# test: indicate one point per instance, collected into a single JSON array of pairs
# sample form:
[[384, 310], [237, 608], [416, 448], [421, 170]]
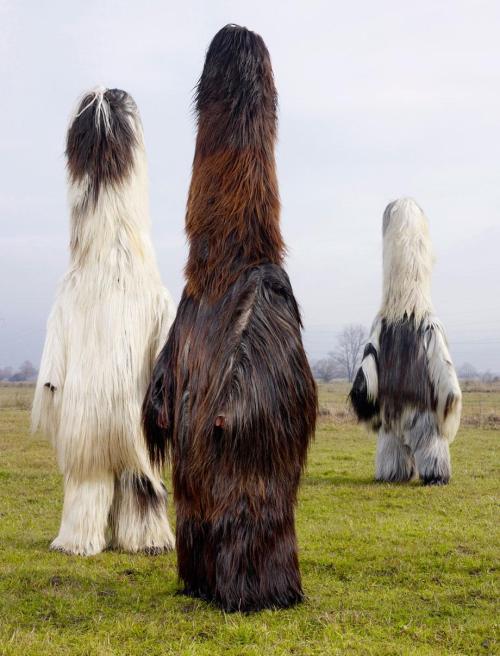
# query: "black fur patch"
[[51, 387], [450, 400], [364, 408], [102, 150], [436, 480], [155, 416], [146, 495], [404, 378]]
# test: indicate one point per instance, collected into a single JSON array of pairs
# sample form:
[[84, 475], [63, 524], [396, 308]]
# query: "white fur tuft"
[[102, 109], [369, 363]]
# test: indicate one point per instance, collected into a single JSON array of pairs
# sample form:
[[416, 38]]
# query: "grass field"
[[387, 569]]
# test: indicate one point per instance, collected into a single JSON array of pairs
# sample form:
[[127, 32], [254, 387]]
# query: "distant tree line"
[[469, 372], [25, 373], [341, 363], [345, 359]]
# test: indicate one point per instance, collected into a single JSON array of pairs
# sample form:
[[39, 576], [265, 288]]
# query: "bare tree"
[[468, 372], [326, 370], [26, 372], [349, 350], [5, 373], [487, 377]]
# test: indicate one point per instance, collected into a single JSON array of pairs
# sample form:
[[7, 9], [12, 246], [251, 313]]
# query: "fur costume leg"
[[240, 561], [253, 573], [431, 451], [138, 517], [85, 515], [245, 557], [394, 461]]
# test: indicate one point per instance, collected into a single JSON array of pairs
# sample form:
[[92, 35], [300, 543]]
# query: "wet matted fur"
[[109, 321], [232, 397], [406, 387]]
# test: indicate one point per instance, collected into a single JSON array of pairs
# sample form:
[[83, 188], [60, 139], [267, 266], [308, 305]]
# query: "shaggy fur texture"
[[232, 396], [406, 387], [109, 320]]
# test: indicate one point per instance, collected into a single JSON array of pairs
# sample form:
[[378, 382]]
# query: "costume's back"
[[406, 387], [232, 393], [110, 317]]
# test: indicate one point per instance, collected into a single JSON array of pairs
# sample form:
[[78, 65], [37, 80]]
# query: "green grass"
[[387, 569]]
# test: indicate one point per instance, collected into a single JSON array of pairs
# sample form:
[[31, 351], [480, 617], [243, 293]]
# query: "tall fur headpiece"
[[107, 173], [408, 262], [102, 137], [232, 219]]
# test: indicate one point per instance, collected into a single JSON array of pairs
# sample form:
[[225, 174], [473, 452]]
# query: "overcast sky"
[[377, 100]]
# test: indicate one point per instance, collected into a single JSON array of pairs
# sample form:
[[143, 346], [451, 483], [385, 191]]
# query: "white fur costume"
[[406, 387], [110, 318]]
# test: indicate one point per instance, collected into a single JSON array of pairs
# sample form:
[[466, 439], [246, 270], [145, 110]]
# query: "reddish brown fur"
[[233, 215]]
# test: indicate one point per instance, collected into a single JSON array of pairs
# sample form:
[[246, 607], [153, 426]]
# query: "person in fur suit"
[[232, 396], [406, 387], [109, 320]]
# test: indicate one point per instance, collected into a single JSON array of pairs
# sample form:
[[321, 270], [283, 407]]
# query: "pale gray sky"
[[377, 100]]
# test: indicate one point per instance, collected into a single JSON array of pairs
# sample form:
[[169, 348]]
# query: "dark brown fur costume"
[[232, 394]]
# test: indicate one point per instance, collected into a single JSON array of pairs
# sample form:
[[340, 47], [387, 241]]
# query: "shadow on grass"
[[367, 481], [33, 545], [348, 481]]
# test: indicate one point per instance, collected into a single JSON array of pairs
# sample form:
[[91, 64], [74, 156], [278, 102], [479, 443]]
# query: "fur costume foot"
[[395, 462], [109, 320]]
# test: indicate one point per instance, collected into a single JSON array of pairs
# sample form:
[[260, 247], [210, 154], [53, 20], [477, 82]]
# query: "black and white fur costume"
[[406, 387]]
